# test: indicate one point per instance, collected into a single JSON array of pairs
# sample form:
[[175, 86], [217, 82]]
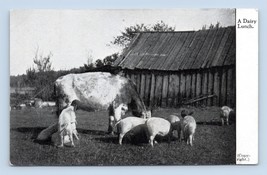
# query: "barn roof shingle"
[[180, 50]]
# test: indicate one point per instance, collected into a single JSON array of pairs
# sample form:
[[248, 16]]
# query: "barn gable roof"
[[180, 50]]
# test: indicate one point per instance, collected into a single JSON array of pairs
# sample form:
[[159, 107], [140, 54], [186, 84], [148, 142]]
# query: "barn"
[[183, 67]]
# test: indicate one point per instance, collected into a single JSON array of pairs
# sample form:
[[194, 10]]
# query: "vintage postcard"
[[133, 87]]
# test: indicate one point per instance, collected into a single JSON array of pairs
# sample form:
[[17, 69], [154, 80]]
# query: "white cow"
[[188, 128], [224, 114], [97, 91], [67, 125], [157, 126]]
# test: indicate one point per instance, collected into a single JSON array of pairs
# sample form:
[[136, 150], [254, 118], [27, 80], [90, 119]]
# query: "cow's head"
[[116, 111], [119, 110]]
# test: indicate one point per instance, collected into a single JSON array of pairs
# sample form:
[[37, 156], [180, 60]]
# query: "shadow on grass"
[[215, 123], [137, 136], [35, 131], [92, 132]]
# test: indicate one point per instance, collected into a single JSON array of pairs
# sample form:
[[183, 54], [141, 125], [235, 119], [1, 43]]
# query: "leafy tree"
[[31, 77], [99, 63], [212, 26], [126, 36], [110, 59]]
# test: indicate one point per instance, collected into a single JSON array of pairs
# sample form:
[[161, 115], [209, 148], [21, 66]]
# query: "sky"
[[72, 36]]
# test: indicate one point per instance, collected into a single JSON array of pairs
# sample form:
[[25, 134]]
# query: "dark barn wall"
[[176, 88]]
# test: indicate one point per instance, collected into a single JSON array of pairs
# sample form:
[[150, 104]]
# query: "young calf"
[[188, 127], [67, 125], [224, 114], [127, 124], [157, 126]]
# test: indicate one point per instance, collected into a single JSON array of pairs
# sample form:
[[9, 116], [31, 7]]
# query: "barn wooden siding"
[[171, 89], [176, 68]]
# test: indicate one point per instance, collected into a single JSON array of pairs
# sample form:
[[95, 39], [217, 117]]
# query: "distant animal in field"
[[225, 114]]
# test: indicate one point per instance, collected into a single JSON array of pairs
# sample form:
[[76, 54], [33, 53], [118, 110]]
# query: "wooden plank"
[[158, 89], [127, 51], [226, 49], [223, 87], [142, 85], [165, 85], [182, 52], [147, 89], [128, 75], [138, 82], [229, 89], [205, 86], [168, 51], [171, 90], [152, 90], [149, 50], [195, 51], [231, 55], [175, 49], [148, 61], [136, 54], [215, 44], [216, 88], [198, 84], [221, 47], [158, 58], [133, 78], [179, 50], [176, 89], [210, 87], [163, 53], [188, 85], [193, 85], [234, 88], [202, 55], [192, 48], [182, 87]]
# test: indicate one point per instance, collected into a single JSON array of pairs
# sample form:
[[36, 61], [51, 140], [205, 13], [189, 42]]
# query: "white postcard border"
[[247, 86]]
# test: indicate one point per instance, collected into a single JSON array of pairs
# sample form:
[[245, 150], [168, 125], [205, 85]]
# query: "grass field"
[[214, 144]]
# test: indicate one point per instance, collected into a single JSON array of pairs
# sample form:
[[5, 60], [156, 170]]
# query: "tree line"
[[42, 76]]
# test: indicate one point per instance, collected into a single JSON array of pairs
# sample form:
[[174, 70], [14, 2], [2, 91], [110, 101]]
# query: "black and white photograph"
[[124, 87]]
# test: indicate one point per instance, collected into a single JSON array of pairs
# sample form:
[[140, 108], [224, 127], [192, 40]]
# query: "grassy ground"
[[214, 144]]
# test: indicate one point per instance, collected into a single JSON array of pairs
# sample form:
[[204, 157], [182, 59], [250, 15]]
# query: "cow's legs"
[[61, 138], [71, 139], [110, 126], [222, 119], [75, 133]]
